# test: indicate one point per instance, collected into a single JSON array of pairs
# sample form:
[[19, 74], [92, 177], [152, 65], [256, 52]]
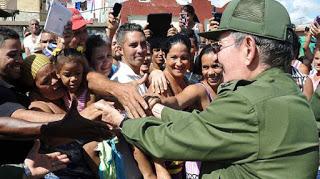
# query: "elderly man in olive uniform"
[[260, 125]]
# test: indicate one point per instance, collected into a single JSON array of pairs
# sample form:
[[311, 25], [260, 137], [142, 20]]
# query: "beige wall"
[[31, 6]]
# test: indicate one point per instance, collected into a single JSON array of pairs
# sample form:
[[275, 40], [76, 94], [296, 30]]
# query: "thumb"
[[142, 80]]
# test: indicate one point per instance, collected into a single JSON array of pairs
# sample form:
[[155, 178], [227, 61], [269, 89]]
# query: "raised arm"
[[189, 96]]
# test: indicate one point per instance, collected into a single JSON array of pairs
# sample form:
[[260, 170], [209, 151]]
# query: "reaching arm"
[[36, 116], [12, 127], [189, 96], [126, 93]]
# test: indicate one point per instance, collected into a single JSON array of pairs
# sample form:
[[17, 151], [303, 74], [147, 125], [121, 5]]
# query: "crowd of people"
[[237, 101]]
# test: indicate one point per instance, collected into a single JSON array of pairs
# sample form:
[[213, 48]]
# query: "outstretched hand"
[[158, 82], [111, 115], [73, 125], [41, 164], [129, 97], [315, 30]]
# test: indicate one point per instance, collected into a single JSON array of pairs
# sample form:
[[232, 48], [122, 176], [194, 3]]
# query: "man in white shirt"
[[29, 43], [133, 48]]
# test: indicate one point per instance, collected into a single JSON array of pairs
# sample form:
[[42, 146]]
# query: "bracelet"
[[26, 171], [121, 123]]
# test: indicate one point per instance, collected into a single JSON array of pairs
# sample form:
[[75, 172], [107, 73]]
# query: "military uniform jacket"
[[263, 128]]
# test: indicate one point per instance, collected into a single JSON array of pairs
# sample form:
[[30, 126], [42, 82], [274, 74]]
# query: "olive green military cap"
[[265, 18]]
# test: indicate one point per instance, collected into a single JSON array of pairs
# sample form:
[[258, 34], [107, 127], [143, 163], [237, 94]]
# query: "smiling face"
[[178, 60], [211, 69], [71, 75], [231, 58], [157, 56], [102, 59], [316, 60], [134, 50], [48, 84], [10, 59]]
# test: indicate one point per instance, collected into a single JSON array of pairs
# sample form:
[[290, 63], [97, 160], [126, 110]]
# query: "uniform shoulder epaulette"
[[232, 85]]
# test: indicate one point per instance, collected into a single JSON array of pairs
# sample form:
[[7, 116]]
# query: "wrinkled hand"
[[131, 100], [111, 115], [73, 125], [213, 25], [172, 31], [147, 32], [158, 82], [315, 30], [41, 164]]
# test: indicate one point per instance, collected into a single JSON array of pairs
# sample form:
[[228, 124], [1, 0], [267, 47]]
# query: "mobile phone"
[[183, 18], [217, 16], [159, 24], [116, 9], [317, 19]]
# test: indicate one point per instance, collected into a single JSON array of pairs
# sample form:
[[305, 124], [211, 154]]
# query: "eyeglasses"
[[217, 47]]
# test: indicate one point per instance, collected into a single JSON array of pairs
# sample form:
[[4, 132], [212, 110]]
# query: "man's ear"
[[119, 49], [249, 49]]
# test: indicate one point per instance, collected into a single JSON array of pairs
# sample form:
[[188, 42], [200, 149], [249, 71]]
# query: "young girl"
[[71, 68]]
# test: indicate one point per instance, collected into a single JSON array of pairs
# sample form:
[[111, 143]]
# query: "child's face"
[[71, 75]]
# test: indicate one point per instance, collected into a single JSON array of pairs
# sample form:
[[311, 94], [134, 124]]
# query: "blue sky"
[[301, 11]]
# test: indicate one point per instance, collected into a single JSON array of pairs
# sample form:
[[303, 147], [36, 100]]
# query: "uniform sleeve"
[[8, 102], [170, 115], [227, 130]]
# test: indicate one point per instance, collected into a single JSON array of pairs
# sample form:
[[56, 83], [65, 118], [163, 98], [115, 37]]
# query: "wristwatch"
[[121, 123], [26, 171]]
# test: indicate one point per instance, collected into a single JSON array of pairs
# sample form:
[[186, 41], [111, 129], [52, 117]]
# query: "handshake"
[[75, 126]]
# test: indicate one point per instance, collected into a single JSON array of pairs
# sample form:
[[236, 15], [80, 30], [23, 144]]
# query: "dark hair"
[[156, 42], [296, 45], [70, 55], [274, 53], [93, 42], [127, 27], [190, 33], [6, 33], [197, 68], [178, 38], [189, 9]]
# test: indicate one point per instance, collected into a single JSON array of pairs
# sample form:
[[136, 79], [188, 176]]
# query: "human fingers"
[[142, 80], [152, 101], [164, 83]]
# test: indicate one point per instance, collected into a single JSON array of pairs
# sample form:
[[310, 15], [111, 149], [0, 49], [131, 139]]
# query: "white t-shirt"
[[28, 43], [125, 75]]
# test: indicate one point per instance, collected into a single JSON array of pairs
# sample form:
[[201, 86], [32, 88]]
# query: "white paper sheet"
[[57, 18]]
